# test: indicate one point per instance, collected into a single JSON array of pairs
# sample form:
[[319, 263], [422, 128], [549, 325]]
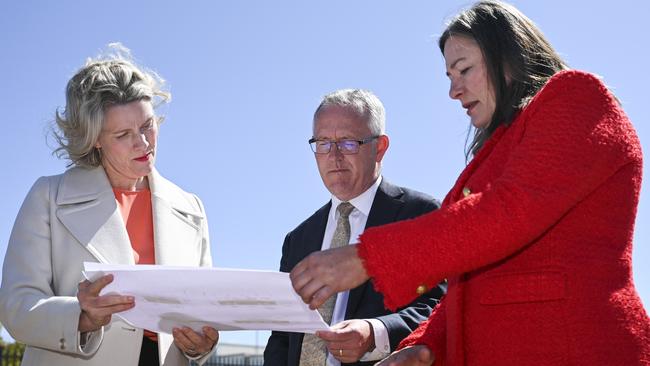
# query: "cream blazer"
[[71, 218]]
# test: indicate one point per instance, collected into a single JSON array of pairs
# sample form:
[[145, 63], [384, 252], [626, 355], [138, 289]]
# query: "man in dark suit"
[[349, 143]]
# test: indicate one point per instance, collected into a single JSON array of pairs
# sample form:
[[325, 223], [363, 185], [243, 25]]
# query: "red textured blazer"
[[535, 238]]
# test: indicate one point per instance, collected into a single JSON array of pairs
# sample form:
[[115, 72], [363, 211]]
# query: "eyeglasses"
[[345, 147]]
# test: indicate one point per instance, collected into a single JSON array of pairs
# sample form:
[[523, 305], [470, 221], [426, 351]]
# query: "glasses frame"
[[313, 140]]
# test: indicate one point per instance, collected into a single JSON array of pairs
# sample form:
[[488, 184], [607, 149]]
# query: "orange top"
[[138, 218], [135, 208]]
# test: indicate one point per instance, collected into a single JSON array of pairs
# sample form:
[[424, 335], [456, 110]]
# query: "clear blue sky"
[[246, 77]]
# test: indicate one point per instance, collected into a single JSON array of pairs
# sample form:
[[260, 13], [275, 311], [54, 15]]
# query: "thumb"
[[341, 325]]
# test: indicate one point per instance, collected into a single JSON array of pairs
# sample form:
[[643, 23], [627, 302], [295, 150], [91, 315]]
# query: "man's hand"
[[410, 356], [323, 274], [349, 340]]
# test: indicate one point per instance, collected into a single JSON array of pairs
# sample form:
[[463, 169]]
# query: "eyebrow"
[[150, 119]]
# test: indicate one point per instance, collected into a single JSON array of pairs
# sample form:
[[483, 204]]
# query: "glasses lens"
[[348, 146], [321, 147]]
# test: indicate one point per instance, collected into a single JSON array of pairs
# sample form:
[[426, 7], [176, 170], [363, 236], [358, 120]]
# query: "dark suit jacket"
[[391, 203]]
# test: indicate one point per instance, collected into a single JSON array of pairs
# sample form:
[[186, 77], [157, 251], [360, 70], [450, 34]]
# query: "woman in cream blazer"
[[72, 218]]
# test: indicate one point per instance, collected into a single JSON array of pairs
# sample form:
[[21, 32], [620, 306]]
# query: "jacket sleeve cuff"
[[382, 342], [88, 343]]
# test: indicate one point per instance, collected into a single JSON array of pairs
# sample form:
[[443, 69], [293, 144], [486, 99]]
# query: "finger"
[[181, 340], [333, 336], [102, 316], [112, 300], [307, 292], [345, 345], [83, 284], [211, 334], [345, 355], [425, 355], [195, 338], [320, 296], [339, 326], [95, 288], [299, 280], [107, 304]]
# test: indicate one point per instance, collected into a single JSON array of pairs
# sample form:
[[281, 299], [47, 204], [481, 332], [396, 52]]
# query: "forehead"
[[129, 114], [337, 121], [458, 48]]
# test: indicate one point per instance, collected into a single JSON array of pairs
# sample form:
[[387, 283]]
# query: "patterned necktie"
[[314, 351]]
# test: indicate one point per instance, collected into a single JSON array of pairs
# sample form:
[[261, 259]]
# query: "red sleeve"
[[575, 137], [431, 333]]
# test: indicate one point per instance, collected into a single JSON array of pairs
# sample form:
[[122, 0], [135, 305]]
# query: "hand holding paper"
[[169, 297]]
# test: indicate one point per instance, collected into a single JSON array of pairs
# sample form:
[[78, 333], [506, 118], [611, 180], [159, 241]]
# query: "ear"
[[382, 146]]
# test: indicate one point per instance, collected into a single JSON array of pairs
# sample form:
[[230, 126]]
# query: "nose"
[[335, 153], [455, 89], [140, 140]]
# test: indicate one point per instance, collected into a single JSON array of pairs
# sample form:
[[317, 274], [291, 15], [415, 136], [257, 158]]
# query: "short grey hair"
[[107, 80], [363, 102]]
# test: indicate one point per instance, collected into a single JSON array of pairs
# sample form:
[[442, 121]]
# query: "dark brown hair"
[[512, 46]]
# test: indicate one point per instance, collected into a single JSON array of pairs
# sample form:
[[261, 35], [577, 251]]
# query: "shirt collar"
[[362, 202]]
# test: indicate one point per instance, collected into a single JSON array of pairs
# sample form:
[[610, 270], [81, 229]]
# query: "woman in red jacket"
[[535, 237]]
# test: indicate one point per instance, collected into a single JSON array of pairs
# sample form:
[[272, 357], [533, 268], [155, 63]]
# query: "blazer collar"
[[164, 190], [86, 206], [386, 205], [83, 185], [175, 219]]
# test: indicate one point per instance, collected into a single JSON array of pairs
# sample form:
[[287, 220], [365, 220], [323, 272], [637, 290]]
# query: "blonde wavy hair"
[[109, 79]]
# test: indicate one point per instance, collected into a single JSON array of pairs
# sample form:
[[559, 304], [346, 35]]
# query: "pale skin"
[[323, 274], [349, 340], [128, 145]]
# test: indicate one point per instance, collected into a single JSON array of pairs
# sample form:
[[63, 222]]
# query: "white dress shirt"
[[358, 219]]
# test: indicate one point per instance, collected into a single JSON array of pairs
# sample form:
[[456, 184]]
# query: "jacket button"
[[466, 192], [62, 344], [421, 290]]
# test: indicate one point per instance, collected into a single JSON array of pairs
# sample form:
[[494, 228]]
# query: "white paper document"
[[226, 299]]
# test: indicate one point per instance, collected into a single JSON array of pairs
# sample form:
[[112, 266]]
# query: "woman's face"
[[128, 143], [469, 80]]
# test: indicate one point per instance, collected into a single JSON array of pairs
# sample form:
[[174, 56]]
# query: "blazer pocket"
[[523, 287], [192, 220]]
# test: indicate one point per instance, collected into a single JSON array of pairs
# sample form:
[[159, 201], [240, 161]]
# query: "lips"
[[144, 157], [469, 106]]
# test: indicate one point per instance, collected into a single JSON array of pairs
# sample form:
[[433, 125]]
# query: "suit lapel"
[[316, 232], [175, 223], [385, 209], [86, 207]]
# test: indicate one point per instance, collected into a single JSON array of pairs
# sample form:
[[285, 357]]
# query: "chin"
[[480, 124]]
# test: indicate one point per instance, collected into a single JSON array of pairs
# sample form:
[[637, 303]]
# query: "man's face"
[[347, 176]]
